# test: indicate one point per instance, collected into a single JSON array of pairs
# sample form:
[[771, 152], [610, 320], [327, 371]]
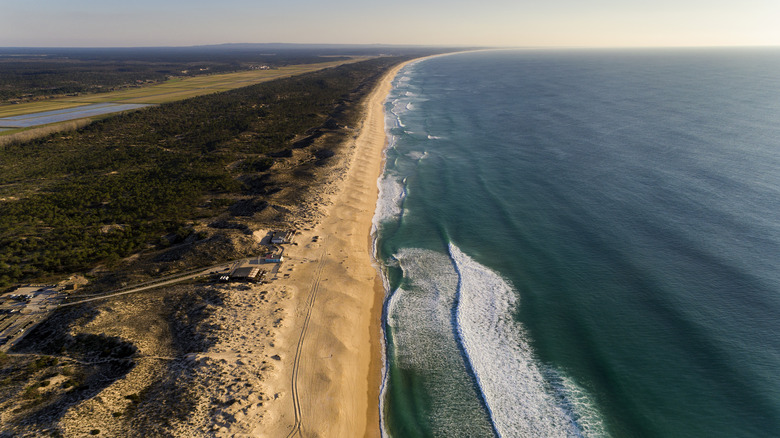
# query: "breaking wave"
[[521, 401], [391, 196], [419, 321]]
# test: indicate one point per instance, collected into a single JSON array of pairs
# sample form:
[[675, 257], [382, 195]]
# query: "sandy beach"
[[301, 355], [331, 362]]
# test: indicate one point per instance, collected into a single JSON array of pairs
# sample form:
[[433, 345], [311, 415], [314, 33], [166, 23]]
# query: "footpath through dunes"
[[331, 359], [50, 111]]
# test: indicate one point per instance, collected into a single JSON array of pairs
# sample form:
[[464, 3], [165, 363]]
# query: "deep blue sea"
[[583, 243]]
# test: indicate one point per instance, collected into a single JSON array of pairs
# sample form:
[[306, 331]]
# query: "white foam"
[[419, 316], [524, 398], [391, 196], [519, 399], [577, 402], [393, 115], [417, 155], [399, 106]]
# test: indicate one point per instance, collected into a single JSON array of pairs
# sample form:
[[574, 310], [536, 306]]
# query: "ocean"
[[583, 243]]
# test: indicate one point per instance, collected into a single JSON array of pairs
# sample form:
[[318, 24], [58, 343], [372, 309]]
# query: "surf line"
[[456, 333]]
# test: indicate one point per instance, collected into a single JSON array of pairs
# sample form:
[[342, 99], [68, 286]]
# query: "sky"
[[510, 23]]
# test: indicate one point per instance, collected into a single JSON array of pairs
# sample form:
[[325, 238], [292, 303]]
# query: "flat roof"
[[246, 272]]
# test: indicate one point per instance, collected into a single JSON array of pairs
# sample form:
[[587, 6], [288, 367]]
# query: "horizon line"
[[391, 45]]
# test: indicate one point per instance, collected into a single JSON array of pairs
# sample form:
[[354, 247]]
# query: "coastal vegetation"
[[60, 365], [32, 74], [72, 200]]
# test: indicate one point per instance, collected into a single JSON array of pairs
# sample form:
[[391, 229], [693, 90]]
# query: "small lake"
[[63, 115]]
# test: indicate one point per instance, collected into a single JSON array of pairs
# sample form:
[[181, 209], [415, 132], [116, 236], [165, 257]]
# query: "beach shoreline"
[[329, 374]]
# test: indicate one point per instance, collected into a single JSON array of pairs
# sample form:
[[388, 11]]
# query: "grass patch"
[[171, 90]]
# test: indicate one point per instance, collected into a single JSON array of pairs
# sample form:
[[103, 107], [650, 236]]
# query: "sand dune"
[[301, 356]]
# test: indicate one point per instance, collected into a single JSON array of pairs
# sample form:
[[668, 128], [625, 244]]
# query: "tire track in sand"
[[315, 287]]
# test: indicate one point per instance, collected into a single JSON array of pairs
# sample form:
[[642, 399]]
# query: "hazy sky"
[[428, 22]]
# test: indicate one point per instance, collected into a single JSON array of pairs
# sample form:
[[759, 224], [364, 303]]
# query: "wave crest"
[[517, 395]]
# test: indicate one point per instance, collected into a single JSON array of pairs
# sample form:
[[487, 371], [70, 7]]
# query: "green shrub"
[[149, 170], [31, 392], [42, 362]]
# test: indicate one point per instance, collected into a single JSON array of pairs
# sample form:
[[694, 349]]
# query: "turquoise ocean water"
[[583, 243]]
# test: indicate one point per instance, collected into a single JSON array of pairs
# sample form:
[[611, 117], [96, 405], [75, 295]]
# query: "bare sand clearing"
[[301, 356]]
